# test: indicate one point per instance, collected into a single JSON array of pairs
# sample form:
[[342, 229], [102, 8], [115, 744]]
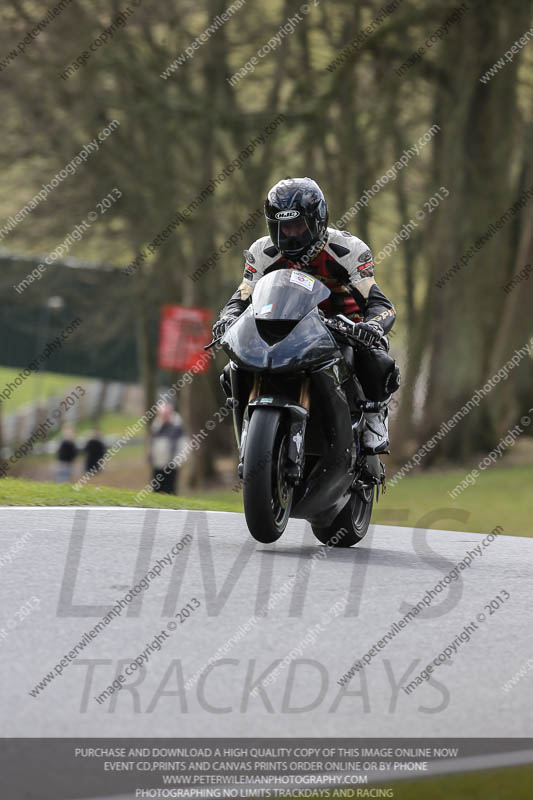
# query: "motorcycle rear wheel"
[[350, 526], [267, 496]]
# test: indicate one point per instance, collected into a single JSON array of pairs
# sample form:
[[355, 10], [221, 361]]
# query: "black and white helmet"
[[297, 217]]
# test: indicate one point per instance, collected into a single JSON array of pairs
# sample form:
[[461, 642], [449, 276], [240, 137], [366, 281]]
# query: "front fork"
[[254, 392], [298, 415], [296, 454]]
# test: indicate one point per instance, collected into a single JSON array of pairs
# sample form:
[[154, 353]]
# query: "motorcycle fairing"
[[306, 347]]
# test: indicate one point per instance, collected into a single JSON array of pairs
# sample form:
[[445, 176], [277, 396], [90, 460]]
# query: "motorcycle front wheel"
[[267, 496]]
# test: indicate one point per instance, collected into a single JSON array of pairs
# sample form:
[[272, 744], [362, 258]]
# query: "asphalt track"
[[77, 562]]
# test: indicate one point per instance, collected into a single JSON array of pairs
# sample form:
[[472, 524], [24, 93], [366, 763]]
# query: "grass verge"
[[37, 386], [15, 492], [501, 496]]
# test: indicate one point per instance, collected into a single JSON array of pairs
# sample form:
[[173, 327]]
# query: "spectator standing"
[[66, 455], [168, 438], [94, 450]]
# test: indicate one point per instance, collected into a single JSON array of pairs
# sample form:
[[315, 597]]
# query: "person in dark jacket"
[[66, 455], [94, 450]]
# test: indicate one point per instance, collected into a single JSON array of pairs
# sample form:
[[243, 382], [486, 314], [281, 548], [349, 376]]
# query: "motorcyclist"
[[297, 219]]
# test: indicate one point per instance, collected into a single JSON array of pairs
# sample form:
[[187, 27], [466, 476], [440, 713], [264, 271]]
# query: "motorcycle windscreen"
[[287, 294]]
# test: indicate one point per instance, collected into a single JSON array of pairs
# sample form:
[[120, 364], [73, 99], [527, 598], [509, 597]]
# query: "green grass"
[[15, 492], [109, 423], [37, 386], [499, 784], [501, 497]]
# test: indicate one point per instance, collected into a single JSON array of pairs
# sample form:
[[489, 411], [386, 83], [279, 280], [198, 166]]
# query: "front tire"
[[267, 496], [351, 525]]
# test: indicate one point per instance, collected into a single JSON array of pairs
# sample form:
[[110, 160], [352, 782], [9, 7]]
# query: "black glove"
[[221, 325], [369, 333]]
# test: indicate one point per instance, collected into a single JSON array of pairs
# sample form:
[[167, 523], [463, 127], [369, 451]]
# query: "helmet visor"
[[292, 237]]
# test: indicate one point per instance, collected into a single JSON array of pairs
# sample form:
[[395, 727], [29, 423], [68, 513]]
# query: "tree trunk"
[[477, 140]]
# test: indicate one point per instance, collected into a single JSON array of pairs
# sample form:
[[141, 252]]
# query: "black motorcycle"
[[298, 414]]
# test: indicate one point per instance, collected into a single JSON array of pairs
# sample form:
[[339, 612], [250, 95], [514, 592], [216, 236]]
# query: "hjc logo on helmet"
[[287, 214]]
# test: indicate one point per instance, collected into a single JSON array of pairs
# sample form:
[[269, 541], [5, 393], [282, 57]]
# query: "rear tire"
[[266, 495], [351, 524]]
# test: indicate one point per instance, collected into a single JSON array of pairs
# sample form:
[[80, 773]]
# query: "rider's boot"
[[375, 438]]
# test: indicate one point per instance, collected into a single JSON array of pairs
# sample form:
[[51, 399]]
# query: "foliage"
[[344, 126]]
